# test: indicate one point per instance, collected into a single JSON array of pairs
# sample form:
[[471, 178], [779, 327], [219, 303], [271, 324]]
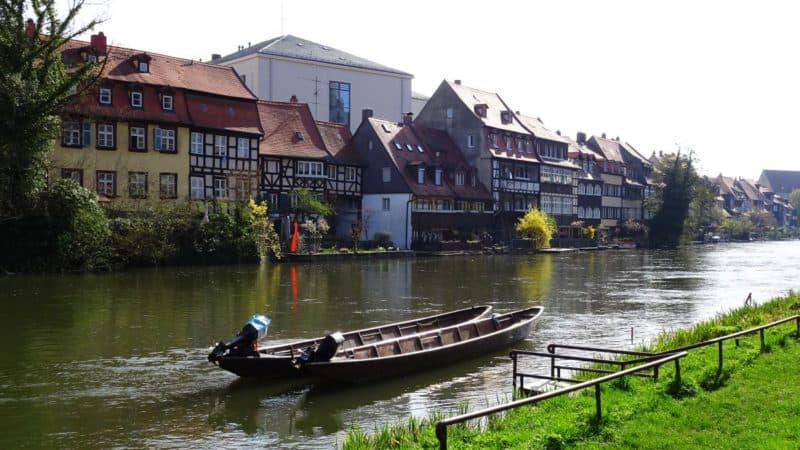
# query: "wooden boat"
[[426, 350], [281, 361]]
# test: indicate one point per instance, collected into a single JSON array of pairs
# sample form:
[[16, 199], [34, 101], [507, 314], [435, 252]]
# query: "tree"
[[35, 86], [537, 226], [309, 204], [675, 182], [794, 199], [704, 213]]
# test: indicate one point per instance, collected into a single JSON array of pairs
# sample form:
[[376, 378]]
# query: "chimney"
[[215, 56], [408, 118], [458, 82], [581, 137], [616, 138], [293, 99], [603, 136], [366, 113], [558, 132], [98, 43], [30, 28]]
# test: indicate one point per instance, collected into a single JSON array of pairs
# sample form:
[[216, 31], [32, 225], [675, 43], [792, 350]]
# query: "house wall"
[[90, 159], [395, 220], [277, 79]]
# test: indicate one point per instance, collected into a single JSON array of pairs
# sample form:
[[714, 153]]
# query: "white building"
[[335, 84]]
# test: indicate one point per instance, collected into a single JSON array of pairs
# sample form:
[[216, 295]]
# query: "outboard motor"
[[323, 351], [246, 342]]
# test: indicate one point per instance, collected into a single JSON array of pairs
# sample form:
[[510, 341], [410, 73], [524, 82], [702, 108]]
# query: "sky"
[[717, 78]]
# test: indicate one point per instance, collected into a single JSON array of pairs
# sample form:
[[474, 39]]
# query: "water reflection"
[[118, 360]]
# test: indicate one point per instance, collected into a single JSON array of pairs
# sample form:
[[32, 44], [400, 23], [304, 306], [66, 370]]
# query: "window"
[[220, 187], [198, 186], [309, 169], [243, 148], [137, 184], [520, 144], [331, 171], [409, 147], [521, 172], [438, 177], [168, 185], [105, 96], [136, 99], [220, 146], [74, 174], [493, 140], [339, 102], [166, 102], [105, 135], [71, 133], [144, 67], [164, 139], [385, 204], [459, 178], [349, 174], [473, 180], [196, 146], [509, 143], [470, 141], [387, 174], [106, 183], [420, 175], [398, 145], [137, 138], [449, 113]]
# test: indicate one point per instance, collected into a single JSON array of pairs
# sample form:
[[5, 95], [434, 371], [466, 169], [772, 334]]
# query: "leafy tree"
[[762, 220], [794, 199], [537, 226], [309, 204], [34, 88], [675, 183], [704, 213]]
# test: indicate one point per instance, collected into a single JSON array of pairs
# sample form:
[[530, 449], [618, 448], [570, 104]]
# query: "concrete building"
[[336, 85]]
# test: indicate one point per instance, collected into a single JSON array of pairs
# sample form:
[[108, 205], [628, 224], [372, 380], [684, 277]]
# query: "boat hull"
[[280, 361], [354, 370]]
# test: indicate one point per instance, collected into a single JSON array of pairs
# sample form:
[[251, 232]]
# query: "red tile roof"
[[281, 122], [339, 141], [165, 70], [215, 112]]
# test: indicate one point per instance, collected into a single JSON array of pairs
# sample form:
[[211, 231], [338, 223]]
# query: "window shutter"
[[157, 138], [86, 128]]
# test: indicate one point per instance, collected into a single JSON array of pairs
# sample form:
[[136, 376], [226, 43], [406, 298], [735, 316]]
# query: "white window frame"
[[71, 132], [198, 187], [144, 67], [349, 173], [106, 183], [310, 169], [167, 103], [420, 175], [331, 172], [220, 145], [243, 148], [460, 178], [197, 144], [168, 185], [220, 187], [137, 184], [165, 139], [140, 133], [470, 141], [104, 96], [137, 99], [105, 135]]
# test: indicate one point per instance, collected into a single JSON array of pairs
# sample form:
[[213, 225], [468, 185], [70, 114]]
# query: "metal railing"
[[647, 360], [441, 426]]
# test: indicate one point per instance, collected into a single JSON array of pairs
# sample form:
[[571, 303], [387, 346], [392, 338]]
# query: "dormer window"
[[141, 63], [398, 145], [409, 147], [420, 175], [505, 117], [136, 99], [166, 102], [144, 67], [298, 136], [480, 109], [104, 96], [438, 177], [91, 58], [459, 178]]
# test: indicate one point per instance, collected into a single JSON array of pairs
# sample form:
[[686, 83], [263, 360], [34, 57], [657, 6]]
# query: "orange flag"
[[293, 245]]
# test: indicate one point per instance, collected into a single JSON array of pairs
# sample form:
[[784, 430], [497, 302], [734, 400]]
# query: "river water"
[[119, 360]]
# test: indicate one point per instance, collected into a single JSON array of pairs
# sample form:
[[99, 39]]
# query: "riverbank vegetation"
[[750, 403], [537, 226]]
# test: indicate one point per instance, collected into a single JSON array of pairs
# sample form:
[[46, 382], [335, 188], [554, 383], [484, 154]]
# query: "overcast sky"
[[720, 78]]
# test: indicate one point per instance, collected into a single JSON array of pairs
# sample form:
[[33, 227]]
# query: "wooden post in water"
[[514, 374]]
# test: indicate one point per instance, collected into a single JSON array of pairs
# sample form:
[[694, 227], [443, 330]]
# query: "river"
[[119, 360]]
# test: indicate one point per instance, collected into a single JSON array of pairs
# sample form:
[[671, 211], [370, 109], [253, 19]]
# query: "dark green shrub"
[[383, 239]]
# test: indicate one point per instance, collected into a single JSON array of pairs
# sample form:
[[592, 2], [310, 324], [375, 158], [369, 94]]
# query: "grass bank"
[[754, 402]]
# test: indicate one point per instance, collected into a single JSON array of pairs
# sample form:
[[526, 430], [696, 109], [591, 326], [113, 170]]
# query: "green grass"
[[753, 402]]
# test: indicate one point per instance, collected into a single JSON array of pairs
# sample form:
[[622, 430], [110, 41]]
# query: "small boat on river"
[[427, 350], [242, 357]]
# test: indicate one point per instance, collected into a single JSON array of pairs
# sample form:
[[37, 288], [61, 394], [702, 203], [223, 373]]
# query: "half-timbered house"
[[417, 185], [157, 127], [294, 154], [590, 185]]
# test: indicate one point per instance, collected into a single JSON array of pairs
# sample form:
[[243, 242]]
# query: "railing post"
[[597, 401], [720, 357], [514, 373], [441, 434], [655, 373], [797, 322], [761, 332], [552, 367], [678, 371]]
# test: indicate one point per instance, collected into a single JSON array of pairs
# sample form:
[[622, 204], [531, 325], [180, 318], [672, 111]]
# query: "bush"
[[537, 226], [383, 239]]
